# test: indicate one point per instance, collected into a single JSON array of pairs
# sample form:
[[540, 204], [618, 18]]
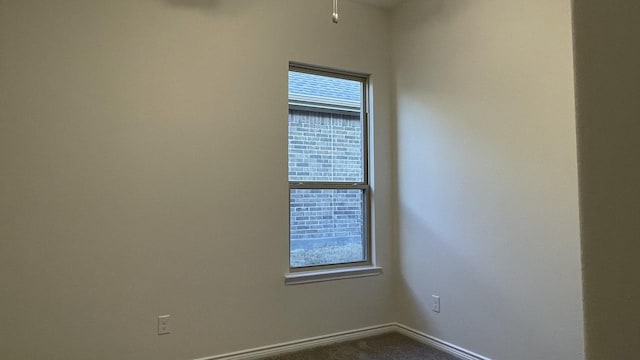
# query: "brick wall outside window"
[[325, 147]]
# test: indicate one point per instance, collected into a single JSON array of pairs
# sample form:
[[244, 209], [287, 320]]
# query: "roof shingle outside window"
[[323, 86]]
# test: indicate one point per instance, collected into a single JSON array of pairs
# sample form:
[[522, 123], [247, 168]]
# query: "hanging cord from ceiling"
[[335, 16]]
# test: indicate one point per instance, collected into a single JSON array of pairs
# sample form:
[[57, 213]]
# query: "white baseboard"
[[434, 342], [303, 344]]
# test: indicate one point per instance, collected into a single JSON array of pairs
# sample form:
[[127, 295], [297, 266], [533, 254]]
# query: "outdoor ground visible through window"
[[336, 254]]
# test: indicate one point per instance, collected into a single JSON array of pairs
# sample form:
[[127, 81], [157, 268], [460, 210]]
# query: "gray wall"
[[487, 176], [143, 171], [608, 108], [137, 138]]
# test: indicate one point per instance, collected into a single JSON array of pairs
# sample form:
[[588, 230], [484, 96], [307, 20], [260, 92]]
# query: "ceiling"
[[385, 4]]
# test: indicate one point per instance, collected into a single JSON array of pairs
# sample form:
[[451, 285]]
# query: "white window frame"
[[325, 272]]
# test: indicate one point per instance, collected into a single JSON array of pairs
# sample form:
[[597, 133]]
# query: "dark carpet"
[[390, 346]]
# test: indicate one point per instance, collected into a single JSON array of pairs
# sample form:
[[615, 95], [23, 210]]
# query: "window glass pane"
[[326, 226], [325, 129], [330, 89], [324, 147]]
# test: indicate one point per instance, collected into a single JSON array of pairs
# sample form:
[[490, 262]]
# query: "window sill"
[[330, 275]]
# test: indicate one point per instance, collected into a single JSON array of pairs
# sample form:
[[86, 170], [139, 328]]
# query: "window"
[[328, 176]]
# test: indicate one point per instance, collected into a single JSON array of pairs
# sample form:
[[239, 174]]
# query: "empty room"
[[319, 179]]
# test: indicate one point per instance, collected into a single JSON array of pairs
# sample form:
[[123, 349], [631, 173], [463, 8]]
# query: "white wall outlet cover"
[[435, 305], [163, 325]]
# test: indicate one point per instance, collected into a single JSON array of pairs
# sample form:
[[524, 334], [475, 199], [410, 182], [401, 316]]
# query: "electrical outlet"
[[435, 303], [163, 325]]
